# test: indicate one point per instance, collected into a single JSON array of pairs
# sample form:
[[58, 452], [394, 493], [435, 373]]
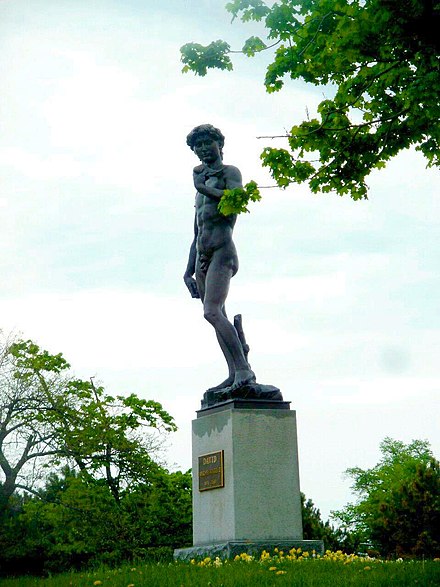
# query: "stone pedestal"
[[259, 504]]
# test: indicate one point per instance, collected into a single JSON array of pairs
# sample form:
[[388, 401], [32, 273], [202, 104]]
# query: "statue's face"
[[207, 149]]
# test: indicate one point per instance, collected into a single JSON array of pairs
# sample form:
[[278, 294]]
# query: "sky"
[[340, 299]]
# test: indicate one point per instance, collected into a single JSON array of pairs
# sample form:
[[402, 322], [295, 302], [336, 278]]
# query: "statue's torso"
[[214, 229]]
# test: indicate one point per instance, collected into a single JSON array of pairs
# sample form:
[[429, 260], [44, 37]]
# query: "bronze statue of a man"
[[213, 257]]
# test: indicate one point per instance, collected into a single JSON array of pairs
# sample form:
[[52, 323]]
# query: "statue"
[[213, 261]]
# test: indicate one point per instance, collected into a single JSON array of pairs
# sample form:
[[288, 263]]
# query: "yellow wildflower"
[[131, 585], [244, 556], [97, 583], [367, 568], [264, 555], [272, 568], [281, 573]]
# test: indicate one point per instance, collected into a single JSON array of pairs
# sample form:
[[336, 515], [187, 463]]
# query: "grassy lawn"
[[334, 570]]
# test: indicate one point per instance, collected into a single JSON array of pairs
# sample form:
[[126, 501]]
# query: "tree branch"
[[340, 128], [260, 50], [316, 33]]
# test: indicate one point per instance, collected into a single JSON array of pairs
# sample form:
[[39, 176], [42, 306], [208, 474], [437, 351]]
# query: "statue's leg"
[[216, 290], [229, 359], [201, 272]]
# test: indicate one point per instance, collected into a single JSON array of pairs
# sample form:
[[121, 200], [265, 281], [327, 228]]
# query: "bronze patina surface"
[[212, 263]]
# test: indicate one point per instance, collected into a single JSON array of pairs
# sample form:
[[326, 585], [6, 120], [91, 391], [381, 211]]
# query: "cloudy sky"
[[340, 299]]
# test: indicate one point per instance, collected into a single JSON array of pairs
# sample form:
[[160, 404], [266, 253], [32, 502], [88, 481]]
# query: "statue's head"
[[205, 131]]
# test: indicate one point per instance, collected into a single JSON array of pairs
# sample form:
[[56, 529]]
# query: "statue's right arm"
[[188, 276], [200, 179]]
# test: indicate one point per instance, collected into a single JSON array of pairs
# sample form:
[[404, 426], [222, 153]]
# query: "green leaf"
[[253, 45], [251, 9], [199, 58], [235, 201]]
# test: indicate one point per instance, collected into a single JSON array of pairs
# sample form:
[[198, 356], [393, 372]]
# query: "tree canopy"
[[80, 476], [48, 417], [381, 58], [398, 506]]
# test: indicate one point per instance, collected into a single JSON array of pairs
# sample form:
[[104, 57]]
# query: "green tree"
[[398, 505], [314, 528], [381, 58], [50, 418], [75, 522]]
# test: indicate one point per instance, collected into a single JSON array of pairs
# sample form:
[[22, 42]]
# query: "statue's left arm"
[[232, 177]]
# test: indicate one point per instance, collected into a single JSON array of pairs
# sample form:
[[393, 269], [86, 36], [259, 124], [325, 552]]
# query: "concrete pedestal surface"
[[259, 506], [261, 498]]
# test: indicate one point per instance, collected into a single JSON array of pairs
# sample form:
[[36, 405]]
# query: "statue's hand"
[[212, 182], [191, 285], [199, 180]]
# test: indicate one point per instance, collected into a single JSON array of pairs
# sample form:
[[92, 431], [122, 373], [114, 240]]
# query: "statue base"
[[229, 550], [248, 391], [245, 474]]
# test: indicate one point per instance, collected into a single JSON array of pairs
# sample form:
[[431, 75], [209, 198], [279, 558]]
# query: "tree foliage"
[[314, 528], [381, 57], [236, 200], [74, 522], [398, 506], [49, 418]]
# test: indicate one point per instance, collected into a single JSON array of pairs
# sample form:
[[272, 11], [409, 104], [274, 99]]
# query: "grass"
[[334, 569]]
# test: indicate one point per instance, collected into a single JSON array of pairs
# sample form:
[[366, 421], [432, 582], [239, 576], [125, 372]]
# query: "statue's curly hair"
[[206, 129]]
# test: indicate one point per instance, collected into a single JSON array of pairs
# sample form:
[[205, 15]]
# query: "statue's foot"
[[226, 383], [247, 389], [241, 378]]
